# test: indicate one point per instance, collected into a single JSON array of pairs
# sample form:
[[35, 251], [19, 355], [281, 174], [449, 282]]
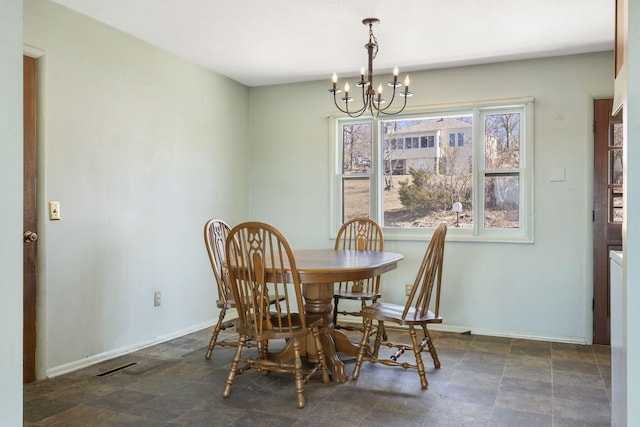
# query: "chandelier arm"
[[396, 112], [359, 111], [393, 97], [353, 114], [366, 102], [335, 101], [356, 114]]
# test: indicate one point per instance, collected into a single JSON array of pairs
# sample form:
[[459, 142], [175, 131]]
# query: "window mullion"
[[376, 212], [478, 172]]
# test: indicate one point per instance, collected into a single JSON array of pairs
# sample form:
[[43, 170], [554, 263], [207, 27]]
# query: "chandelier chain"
[[374, 41]]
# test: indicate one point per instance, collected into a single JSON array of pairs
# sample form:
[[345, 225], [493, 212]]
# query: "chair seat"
[[357, 295], [296, 330], [393, 313], [229, 302]]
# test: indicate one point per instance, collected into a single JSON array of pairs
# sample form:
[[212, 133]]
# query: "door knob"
[[30, 236]]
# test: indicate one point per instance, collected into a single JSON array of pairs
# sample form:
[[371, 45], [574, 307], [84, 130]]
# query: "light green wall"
[[11, 213], [140, 148], [541, 290]]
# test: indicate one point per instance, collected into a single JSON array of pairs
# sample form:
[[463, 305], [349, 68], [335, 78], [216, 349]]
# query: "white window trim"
[[524, 234]]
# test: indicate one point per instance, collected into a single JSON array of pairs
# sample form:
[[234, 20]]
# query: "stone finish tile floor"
[[483, 381]]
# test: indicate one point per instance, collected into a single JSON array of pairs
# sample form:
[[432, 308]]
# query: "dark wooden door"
[[29, 222], [607, 210]]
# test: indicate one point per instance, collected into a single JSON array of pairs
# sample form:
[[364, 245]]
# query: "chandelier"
[[372, 100]]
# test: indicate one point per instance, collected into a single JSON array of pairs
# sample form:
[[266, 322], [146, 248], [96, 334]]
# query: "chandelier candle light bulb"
[[395, 83], [371, 102], [335, 80], [380, 100]]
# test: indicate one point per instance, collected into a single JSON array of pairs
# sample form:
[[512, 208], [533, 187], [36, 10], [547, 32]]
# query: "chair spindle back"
[[259, 260], [215, 237], [429, 274], [361, 234]]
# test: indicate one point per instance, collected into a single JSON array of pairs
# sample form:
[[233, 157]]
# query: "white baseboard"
[[92, 360], [486, 332]]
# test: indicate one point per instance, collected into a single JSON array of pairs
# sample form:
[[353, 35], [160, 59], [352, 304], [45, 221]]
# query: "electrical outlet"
[[407, 289], [156, 298]]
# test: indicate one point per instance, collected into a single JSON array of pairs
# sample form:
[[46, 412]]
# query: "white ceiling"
[[262, 42]]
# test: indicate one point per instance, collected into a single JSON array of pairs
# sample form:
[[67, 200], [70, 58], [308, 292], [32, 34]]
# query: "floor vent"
[[118, 369]]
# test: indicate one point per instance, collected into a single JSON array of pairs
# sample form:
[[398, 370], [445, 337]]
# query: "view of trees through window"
[[427, 165], [357, 149], [502, 177]]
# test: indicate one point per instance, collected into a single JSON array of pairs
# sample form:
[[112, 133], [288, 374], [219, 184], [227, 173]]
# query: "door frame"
[[30, 218], [606, 234]]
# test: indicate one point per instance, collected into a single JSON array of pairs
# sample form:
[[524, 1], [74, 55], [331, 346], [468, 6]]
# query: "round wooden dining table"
[[319, 269]]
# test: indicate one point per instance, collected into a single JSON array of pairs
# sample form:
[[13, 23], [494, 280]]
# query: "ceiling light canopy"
[[372, 99]]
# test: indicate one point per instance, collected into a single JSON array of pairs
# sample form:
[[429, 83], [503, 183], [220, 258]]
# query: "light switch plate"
[[54, 211]]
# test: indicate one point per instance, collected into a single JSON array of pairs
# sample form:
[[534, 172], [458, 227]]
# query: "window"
[[501, 169], [356, 169], [456, 137], [407, 171], [427, 141]]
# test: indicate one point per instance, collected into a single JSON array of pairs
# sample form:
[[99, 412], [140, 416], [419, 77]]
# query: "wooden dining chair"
[[414, 313], [261, 263], [361, 234], [215, 237]]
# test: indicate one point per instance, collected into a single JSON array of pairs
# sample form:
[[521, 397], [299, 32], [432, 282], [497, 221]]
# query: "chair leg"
[[380, 325], [263, 353], [362, 306], [379, 336], [432, 348], [263, 349], [364, 344], [216, 331], [384, 332], [335, 311], [234, 366], [416, 351], [321, 357], [297, 363]]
